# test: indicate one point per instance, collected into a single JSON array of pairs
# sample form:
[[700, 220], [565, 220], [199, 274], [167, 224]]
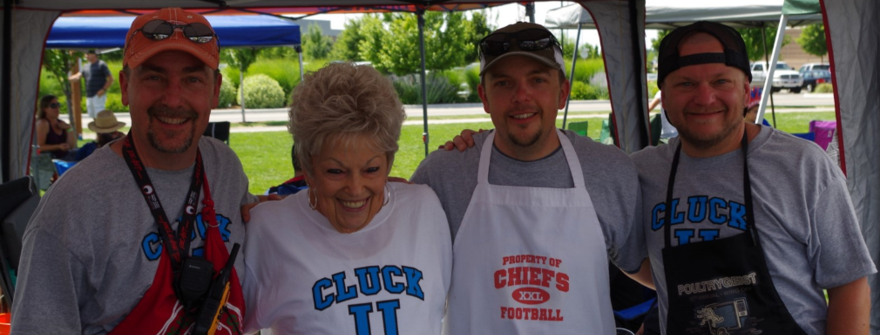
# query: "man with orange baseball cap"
[[144, 247]]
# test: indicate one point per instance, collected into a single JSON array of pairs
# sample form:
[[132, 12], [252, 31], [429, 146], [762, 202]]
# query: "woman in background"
[[53, 135]]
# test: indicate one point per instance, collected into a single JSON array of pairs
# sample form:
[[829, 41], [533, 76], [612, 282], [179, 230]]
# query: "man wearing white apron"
[[535, 212]]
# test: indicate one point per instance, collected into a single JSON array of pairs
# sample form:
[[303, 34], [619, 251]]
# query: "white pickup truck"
[[783, 77]]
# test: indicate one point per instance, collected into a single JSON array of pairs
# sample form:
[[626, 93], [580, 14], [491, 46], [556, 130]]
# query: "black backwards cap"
[[734, 49]]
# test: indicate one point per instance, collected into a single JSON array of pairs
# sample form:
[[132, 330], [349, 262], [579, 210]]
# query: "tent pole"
[[425, 138], [574, 59], [299, 52], [6, 108], [241, 91], [638, 41], [530, 11], [771, 67], [766, 60]]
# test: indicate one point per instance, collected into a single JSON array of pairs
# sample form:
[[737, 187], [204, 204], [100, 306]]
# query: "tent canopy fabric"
[[232, 31], [103, 7], [669, 14]]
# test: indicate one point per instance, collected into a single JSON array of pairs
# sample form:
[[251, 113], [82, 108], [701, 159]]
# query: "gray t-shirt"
[[803, 214], [91, 250], [609, 175]]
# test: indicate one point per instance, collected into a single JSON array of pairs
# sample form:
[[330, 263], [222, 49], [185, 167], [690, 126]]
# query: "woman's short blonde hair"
[[343, 101]]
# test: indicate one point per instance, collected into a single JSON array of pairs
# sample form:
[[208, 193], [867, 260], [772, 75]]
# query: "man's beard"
[[707, 142], [529, 140], [165, 111]]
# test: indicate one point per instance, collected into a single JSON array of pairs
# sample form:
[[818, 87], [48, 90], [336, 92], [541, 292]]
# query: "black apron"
[[722, 286]]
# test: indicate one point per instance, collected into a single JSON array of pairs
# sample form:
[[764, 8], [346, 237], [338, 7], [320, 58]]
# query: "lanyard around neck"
[[177, 244], [747, 192]]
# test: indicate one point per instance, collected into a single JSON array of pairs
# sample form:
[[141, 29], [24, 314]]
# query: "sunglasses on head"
[[55, 105], [527, 40], [158, 30]]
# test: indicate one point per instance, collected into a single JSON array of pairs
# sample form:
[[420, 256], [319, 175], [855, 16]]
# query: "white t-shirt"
[[304, 277]]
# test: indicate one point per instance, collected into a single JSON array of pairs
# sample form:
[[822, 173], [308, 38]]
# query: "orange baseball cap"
[[139, 48]]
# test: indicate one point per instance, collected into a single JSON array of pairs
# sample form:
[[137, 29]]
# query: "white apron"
[[529, 260]]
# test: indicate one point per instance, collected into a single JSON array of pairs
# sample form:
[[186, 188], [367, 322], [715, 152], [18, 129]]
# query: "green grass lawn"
[[266, 156]]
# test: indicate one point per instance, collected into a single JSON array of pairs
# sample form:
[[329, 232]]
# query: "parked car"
[[815, 77], [783, 77], [814, 66]]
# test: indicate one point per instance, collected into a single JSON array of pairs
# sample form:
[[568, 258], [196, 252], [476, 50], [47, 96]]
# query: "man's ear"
[[218, 80], [123, 87], [563, 93], [481, 91]]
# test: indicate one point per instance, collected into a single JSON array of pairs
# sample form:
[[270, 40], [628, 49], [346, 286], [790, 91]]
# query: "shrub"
[[227, 94], [407, 90], [439, 89], [285, 72], [824, 88], [114, 103], [582, 91], [260, 91], [231, 74], [472, 77], [652, 89], [586, 68]]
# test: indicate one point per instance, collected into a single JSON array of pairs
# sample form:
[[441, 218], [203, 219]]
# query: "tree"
[[480, 29], [589, 51], [277, 53], [812, 40], [371, 33], [567, 47], [755, 47], [315, 45], [241, 58], [655, 42], [346, 46], [59, 62], [447, 46], [392, 42]]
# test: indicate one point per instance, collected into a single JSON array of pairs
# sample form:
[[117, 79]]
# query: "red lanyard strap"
[[177, 244]]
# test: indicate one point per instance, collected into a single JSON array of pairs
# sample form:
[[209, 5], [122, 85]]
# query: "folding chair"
[[42, 169], [579, 127], [18, 201], [218, 130]]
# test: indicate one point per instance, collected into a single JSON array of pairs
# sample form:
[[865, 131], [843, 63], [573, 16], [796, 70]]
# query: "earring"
[[315, 205], [387, 195]]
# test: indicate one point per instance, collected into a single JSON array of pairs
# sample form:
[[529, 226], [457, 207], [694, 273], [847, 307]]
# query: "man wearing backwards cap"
[[745, 225], [535, 212], [126, 253]]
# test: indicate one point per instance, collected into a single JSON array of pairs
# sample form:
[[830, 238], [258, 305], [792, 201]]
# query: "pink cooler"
[[823, 131]]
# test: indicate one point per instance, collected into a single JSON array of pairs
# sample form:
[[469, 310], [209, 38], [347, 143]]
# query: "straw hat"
[[105, 122]]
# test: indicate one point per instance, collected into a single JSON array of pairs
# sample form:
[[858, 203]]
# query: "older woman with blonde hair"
[[355, 254]]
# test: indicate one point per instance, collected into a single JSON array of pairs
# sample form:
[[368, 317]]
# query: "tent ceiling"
[[264, 6], [670, 14]]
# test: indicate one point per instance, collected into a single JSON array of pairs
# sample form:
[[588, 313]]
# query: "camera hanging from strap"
[[192, 274]]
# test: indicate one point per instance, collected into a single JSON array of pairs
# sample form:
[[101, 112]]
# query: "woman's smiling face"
[[348, 182]]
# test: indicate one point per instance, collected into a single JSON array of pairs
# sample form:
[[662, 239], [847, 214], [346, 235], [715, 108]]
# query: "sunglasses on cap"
[[158, 30], [527, 40], [55, 105]]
